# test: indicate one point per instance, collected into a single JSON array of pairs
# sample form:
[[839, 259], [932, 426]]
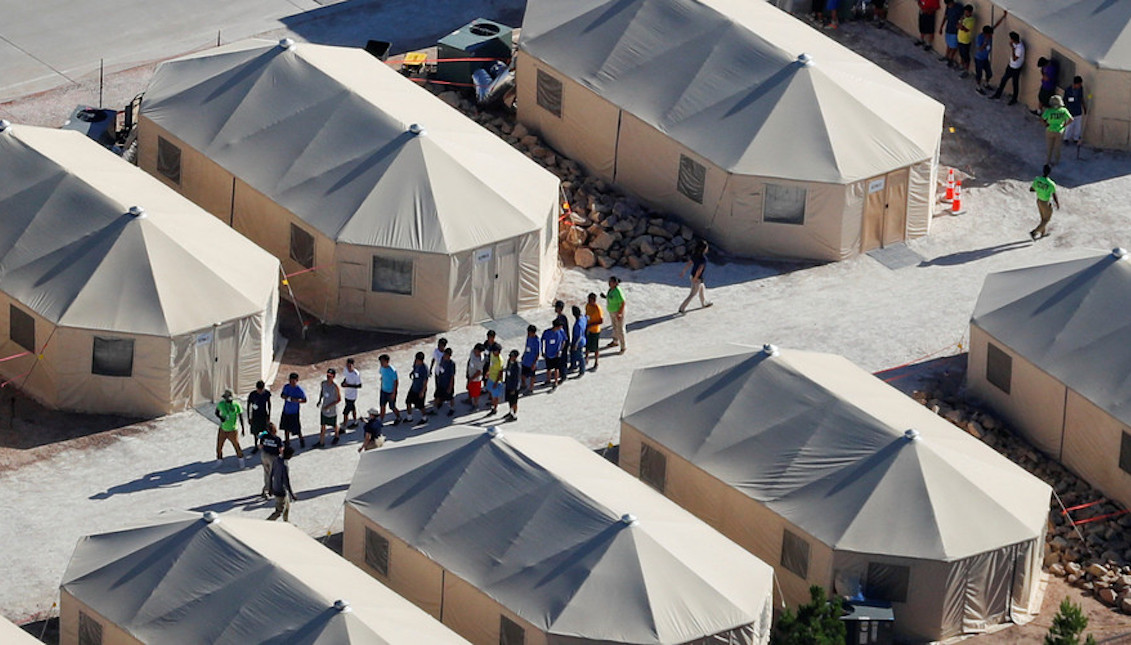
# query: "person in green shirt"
[[1057, 117], [616, 308], [229, 412], [1046, 197]]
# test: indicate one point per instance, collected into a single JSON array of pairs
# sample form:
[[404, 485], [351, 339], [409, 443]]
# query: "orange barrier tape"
[[14, 356], [1100, 517], [429, 61], [291, 275], [914, 361], [428, 80], [1080, 506]]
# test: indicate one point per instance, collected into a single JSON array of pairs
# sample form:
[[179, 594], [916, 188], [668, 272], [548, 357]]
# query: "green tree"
[[815, 623], [1067, 626]]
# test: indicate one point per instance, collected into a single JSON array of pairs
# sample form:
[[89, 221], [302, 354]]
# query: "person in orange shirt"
[[593, 330]]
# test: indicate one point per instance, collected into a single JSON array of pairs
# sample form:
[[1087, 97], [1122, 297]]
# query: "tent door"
[[506, 279], [885, 211], [202, 365], [988, 590], [482, 280], [227, 358]]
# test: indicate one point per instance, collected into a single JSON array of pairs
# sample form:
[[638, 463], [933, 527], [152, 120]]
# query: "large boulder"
[[600, 239], [584, 258]]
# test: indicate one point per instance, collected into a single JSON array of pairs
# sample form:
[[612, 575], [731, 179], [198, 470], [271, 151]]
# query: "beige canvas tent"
[[13, 635], [1089, 38], [759, 132], [119, 295], [192, 579], [391, 208], [1049, 351], [536, 540], [838, 479]]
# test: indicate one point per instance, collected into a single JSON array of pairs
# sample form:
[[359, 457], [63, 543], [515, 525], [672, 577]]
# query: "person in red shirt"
[[927, 11]]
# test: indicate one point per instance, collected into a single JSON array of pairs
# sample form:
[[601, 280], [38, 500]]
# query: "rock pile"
[[1094, 556], [605, 227]]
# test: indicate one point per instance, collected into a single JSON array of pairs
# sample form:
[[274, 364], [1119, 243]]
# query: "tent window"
[[1066, 69], [113, 357], [1125, 454], [784, 204], [302, 247], [377, 551], [392, 276], [510, 632], [169, 160], [653, 467], [795, 553], [887, 582], [550, 93], [999, 367], [692, 178], [90, 630], [21, 328]]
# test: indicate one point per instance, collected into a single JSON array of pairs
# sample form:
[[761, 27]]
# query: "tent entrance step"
[[896, 256]]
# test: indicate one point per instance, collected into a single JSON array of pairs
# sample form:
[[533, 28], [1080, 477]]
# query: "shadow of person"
[[962, 257]]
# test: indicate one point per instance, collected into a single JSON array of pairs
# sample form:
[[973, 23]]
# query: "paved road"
[[45, 44]]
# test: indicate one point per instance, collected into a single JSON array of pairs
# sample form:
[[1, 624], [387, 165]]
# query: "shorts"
[[528, 370], [495, 389], [952, 40], [415, 398], [443, 394], [372, 432], [258, 424], [474, 388], [290, 423], [926, 23], [351, 406], [964, 52], [555, 363], [512, 397], [329, 419], [593, 340], [387, 398]]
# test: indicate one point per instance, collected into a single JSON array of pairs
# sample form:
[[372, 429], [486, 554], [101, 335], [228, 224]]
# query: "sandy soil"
[[58, 490]]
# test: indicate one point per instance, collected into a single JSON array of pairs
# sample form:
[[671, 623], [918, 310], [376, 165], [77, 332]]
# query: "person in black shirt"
[[258, 411], [698, 265], [272, 445], [513, 381], [445, 371], [373, 436]]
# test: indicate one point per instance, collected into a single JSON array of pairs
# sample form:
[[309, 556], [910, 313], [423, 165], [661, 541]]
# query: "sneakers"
[[1033, 235], [255, 450], [423, 421], [510, 417], [397, 421], [980, 90], [964, 74], [319, 445], [708, 305], [994, 97], [301, 442], [1012, 101], [334, 441]]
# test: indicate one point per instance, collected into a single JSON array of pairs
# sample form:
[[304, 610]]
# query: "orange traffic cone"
[[956, 205], [949, 186]]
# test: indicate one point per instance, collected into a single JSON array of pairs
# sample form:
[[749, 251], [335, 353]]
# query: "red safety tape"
[[16, 378], [291, 275], [429, 61], [38, 354], [1100, 517], [428, 80], [1080, 506], [13, 356], [912, 362]]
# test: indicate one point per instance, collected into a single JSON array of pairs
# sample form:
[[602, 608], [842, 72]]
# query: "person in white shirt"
[[1013, 71], [351, 383]]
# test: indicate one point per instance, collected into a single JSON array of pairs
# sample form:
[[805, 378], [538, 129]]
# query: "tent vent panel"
[[377, 552], [1125, 453], [510, 632], [112, 357], [795, 553], [90, 630], [784, 204], [392, 275], [692, 179], [999, 367], [21, 328], [302, 247], [549, 93], [887, 582], [653, 467], [169, 160]]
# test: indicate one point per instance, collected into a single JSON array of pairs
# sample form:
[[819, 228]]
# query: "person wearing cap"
[[445, 383], [258, 412], [328, 398], [228, 410], [272, 448], [697, 264], [512, 383], [373, 436], [390, 383], [351, 383], [553, 348], [1057, 118], [289, 421], [474, 371], [280, 486], [417, 389], [616, 309]]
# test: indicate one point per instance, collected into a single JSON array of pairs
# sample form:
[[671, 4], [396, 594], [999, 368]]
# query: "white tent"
[[840, 480], [400, 212], [1049, 350], [140, 311], [13, 635], [761, 133], [192, 579], [532, 538]]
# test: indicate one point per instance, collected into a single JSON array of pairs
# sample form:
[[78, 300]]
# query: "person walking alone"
[[281, 486], [1046, 198], [697, 264], [229, 412], [616, 306]]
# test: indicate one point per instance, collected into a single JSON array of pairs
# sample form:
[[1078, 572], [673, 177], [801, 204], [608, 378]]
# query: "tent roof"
[[1071, 319], [70, 250], [722, 77], [1097, 30], [13, 635], [236, 581], [324, 132], [821, 442], [535, 522]]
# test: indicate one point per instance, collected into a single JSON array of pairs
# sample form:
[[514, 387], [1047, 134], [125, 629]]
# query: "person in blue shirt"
[[389, 385], [578, 343], [553, 348], [530, 358], [293, 396], [417, 390]]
